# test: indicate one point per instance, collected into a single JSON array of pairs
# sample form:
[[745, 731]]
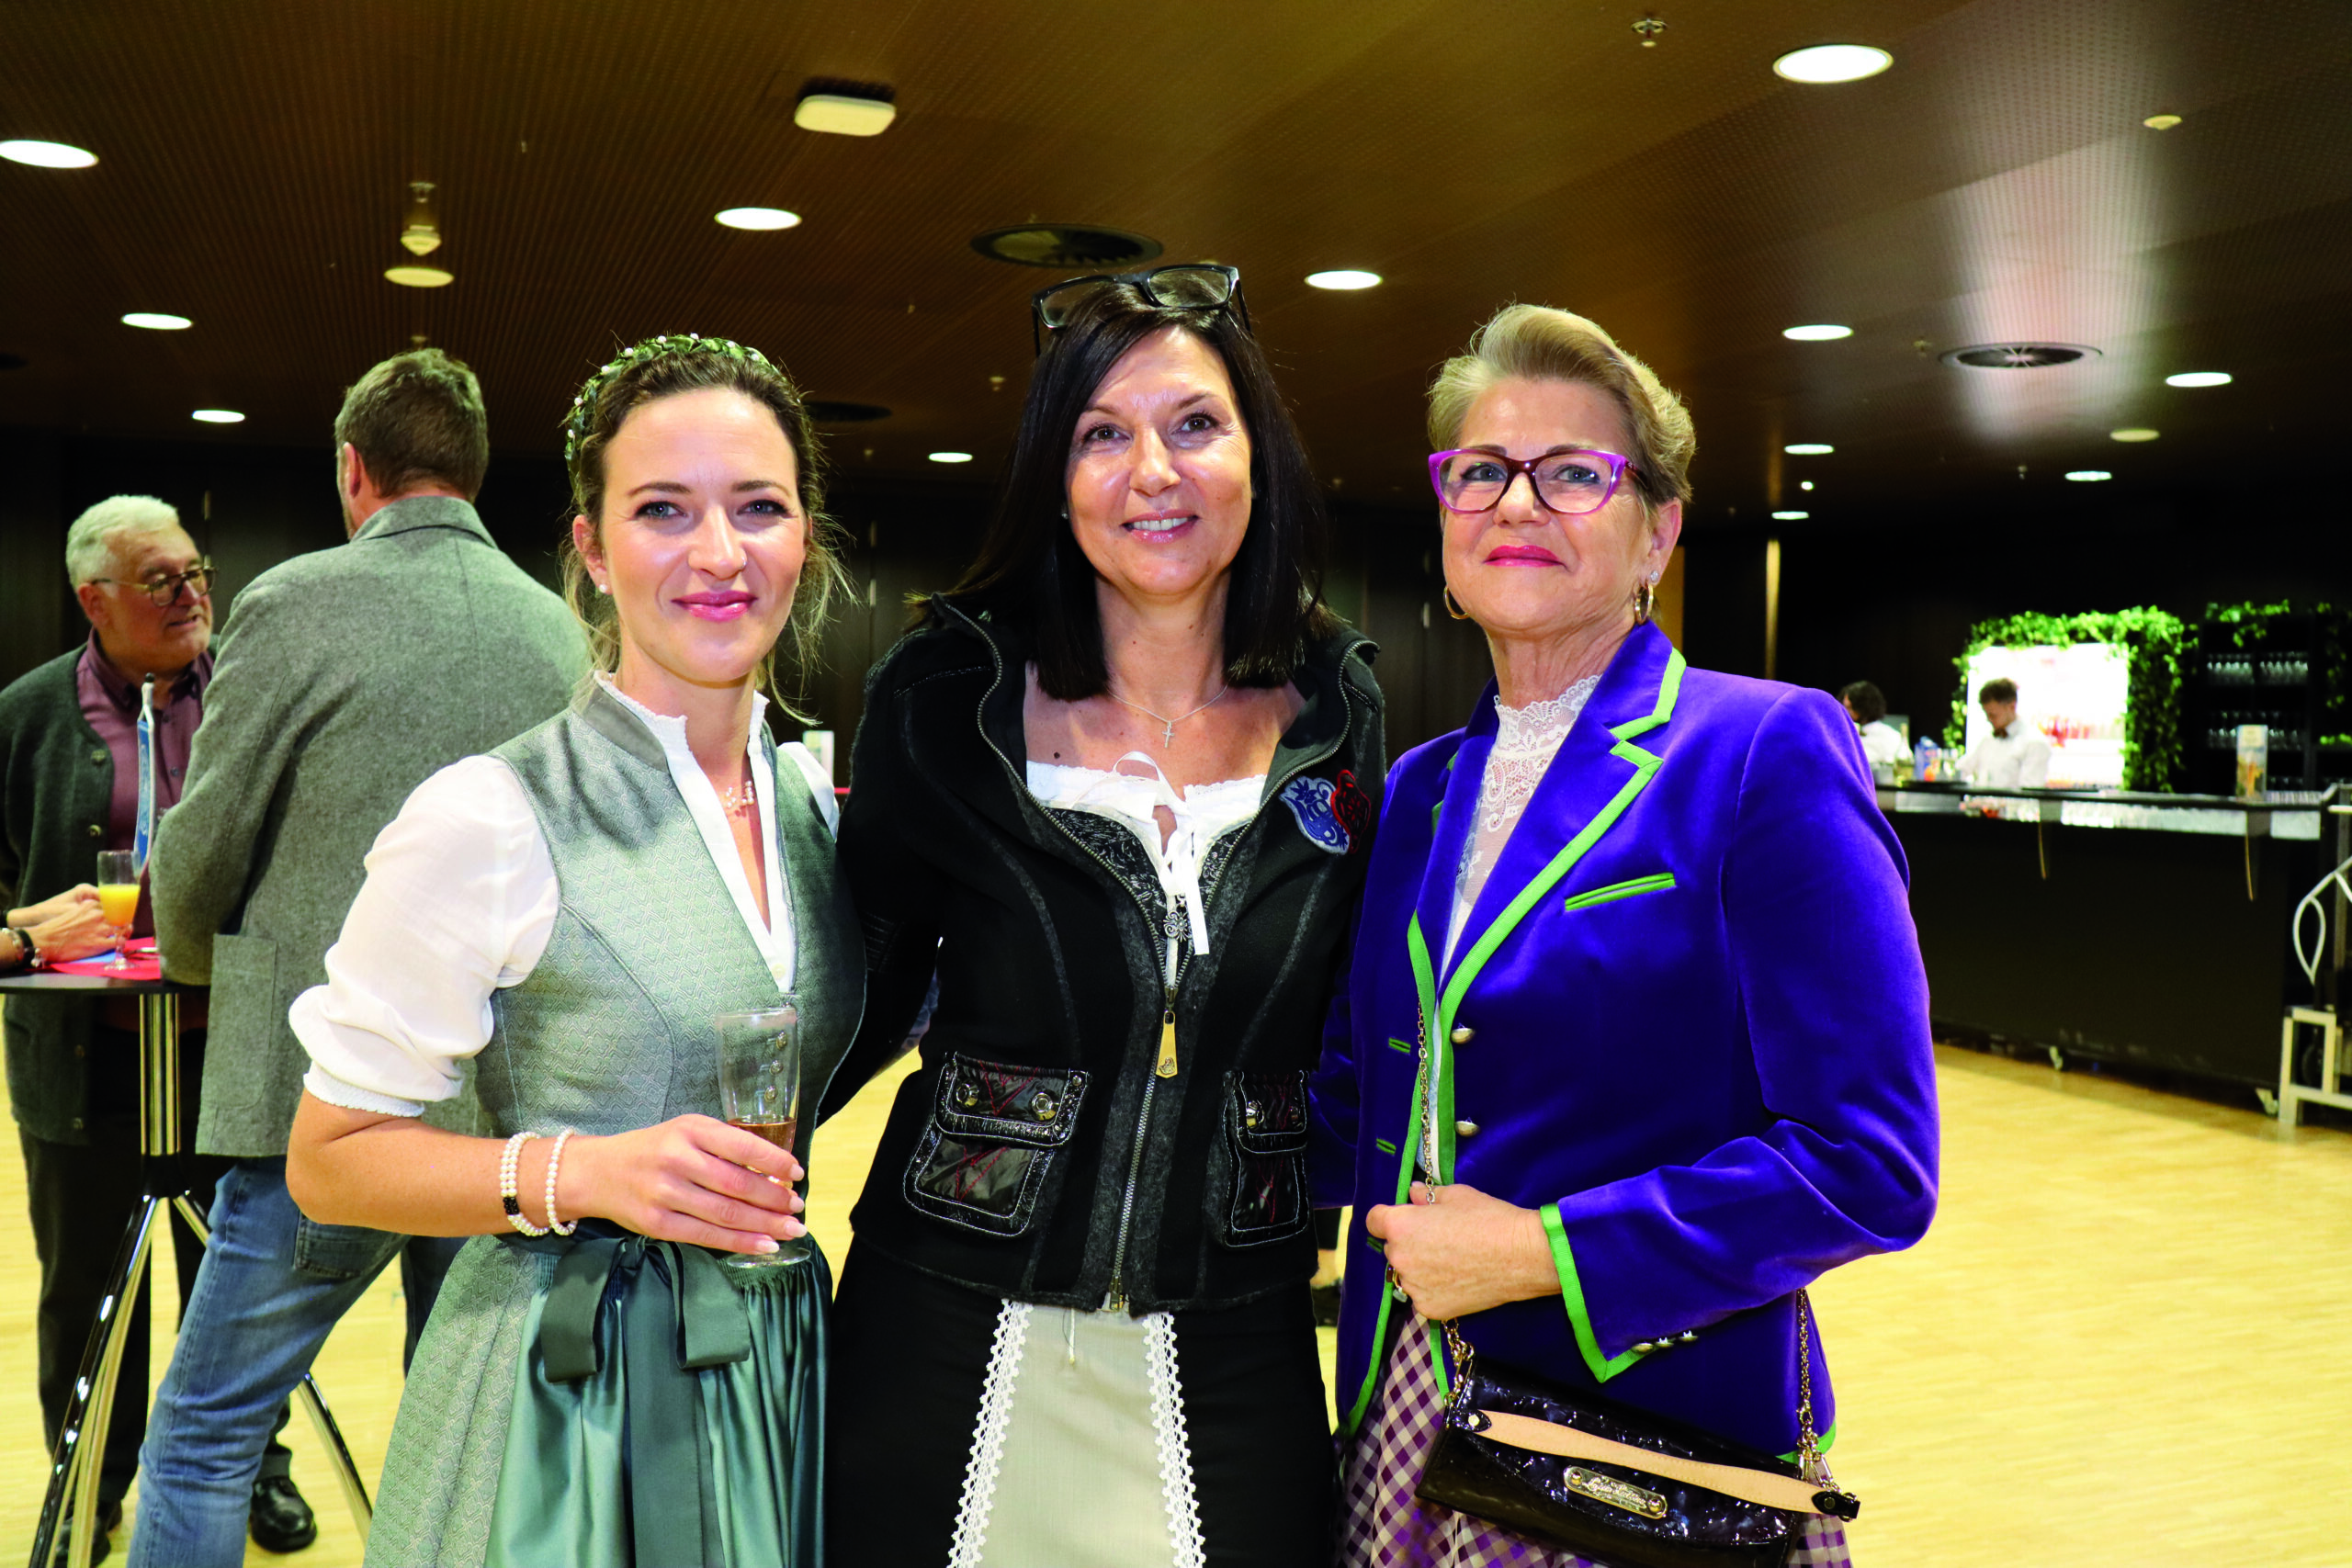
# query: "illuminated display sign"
[[2075, 694]]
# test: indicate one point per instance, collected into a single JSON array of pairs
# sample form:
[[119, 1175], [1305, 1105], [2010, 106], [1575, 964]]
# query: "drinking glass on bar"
[[759, 1090], [118, 898]]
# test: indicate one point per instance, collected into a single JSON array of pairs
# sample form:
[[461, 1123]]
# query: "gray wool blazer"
[[345, 678]]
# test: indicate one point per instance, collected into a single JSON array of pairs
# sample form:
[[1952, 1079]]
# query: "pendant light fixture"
[[420, 236]]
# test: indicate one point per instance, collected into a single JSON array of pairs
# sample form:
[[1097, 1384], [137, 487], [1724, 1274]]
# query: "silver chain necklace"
[[1168, 726]]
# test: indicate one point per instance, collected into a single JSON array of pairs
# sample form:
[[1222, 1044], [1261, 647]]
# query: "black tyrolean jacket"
[[1040, 1152]]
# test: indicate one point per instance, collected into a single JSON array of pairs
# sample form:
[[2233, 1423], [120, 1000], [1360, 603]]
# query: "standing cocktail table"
[[82, 1439]]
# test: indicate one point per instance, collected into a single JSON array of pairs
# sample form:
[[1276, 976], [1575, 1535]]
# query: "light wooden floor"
[[2127, 1343]]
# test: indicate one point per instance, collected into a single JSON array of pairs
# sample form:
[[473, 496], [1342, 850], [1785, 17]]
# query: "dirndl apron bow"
[[679, 1315]]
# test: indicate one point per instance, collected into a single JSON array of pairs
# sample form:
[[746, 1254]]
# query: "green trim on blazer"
[[1439, 1055], [1660, 883]]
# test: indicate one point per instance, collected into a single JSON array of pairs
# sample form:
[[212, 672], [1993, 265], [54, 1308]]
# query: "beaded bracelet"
[[555, 1159], [507, 1184]]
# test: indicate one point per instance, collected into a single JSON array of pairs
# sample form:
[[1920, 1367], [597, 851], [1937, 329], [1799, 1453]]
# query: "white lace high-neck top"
[[1526, 740]]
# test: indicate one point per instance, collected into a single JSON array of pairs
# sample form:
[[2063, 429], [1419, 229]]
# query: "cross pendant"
[[1167, 737]]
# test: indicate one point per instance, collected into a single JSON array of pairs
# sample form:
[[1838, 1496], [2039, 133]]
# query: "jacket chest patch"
[[1320, 806]]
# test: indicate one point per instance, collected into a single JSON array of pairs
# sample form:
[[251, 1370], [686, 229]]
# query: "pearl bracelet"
[[555, 1159], [507, 1184]]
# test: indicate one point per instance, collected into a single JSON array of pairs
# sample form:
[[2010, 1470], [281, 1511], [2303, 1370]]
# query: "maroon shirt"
[[111, 704]]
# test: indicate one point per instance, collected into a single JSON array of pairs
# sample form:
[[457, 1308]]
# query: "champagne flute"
[[118, 898], [759, 1090]]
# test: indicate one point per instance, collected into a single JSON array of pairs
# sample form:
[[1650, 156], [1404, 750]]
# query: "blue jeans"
[[272, 1287]]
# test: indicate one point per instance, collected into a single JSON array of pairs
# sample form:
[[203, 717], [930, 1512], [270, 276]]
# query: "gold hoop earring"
[[1452, 605], [1645, 600]]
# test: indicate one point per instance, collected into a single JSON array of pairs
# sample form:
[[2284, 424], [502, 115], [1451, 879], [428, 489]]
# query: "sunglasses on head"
[[1189, 285]]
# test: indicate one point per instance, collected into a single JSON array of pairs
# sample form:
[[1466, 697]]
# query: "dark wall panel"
[[37, 617], [1892, 599], [1889, 600]]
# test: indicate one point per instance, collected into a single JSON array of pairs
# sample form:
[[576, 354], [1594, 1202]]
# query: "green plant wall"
[[2155, 642]]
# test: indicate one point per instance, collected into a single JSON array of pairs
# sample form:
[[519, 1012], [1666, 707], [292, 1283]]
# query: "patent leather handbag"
[[1622, 1487], [1626, 1488]]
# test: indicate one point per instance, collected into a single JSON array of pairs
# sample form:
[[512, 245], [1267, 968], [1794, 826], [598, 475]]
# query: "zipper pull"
[[1167, 1067]]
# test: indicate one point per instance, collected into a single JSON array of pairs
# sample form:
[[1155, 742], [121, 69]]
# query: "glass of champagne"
[[759, 1090], [118, 898]]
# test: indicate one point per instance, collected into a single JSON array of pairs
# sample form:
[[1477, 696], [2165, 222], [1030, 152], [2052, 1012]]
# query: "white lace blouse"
[[1200, 812], [1526, 740]]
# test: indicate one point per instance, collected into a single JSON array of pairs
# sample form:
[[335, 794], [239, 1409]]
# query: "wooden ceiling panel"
[[1996, 183]]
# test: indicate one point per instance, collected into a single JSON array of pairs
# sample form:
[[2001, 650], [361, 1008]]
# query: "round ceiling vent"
[[1066, 245], [2018, 356], [826, 410]]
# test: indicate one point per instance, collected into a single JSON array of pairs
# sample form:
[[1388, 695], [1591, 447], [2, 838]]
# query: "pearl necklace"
[[736, 802]]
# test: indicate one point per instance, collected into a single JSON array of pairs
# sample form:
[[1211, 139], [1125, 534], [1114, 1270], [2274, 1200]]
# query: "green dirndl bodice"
[[600, 1399]]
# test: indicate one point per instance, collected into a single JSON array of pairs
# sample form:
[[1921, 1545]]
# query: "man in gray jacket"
[[345, 677]]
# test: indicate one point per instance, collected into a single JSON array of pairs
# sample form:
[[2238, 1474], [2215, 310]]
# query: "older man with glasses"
[[69, 788]]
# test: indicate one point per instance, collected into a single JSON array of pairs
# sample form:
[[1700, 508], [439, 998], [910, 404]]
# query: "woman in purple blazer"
[[1635, 951]]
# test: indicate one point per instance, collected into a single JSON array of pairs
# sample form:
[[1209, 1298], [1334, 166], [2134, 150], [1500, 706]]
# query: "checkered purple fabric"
[[1384, 1526]]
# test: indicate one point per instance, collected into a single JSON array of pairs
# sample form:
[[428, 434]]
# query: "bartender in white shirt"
[[2015, 755], [1883, 744]]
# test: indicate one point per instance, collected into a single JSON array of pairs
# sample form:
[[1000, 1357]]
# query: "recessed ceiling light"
[[1068, 247], [2134, 432], [412, 276], [1805, 485], [2198, 378], [156, 321], [2088, 476], [2161, 122], [47, 154], [951, 457], [1822, 332], [1832, 63], [1809, 449], [1343, 277], [1791, 517], [867, 113], [758, 217], [217, 416]]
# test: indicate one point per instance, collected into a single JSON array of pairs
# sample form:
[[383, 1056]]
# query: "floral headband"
[[668, 345]]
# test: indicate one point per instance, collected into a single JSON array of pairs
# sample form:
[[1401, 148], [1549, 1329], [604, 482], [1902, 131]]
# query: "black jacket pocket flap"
[[1267, 1112], [1033, 1106]]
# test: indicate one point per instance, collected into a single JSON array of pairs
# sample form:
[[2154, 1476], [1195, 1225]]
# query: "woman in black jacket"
[[1116, 791]]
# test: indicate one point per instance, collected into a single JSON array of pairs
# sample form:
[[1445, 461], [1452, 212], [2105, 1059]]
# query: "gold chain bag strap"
[[1579, 1473]]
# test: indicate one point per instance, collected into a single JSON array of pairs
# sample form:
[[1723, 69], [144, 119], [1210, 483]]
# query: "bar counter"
[[2144, 929]]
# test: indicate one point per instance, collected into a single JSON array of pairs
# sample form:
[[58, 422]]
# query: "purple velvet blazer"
[[1686, 1020]]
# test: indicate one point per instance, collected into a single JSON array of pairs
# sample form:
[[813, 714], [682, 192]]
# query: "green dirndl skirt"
[[665, 1411]]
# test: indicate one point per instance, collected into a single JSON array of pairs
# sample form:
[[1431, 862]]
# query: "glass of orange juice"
[[118, 898]]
